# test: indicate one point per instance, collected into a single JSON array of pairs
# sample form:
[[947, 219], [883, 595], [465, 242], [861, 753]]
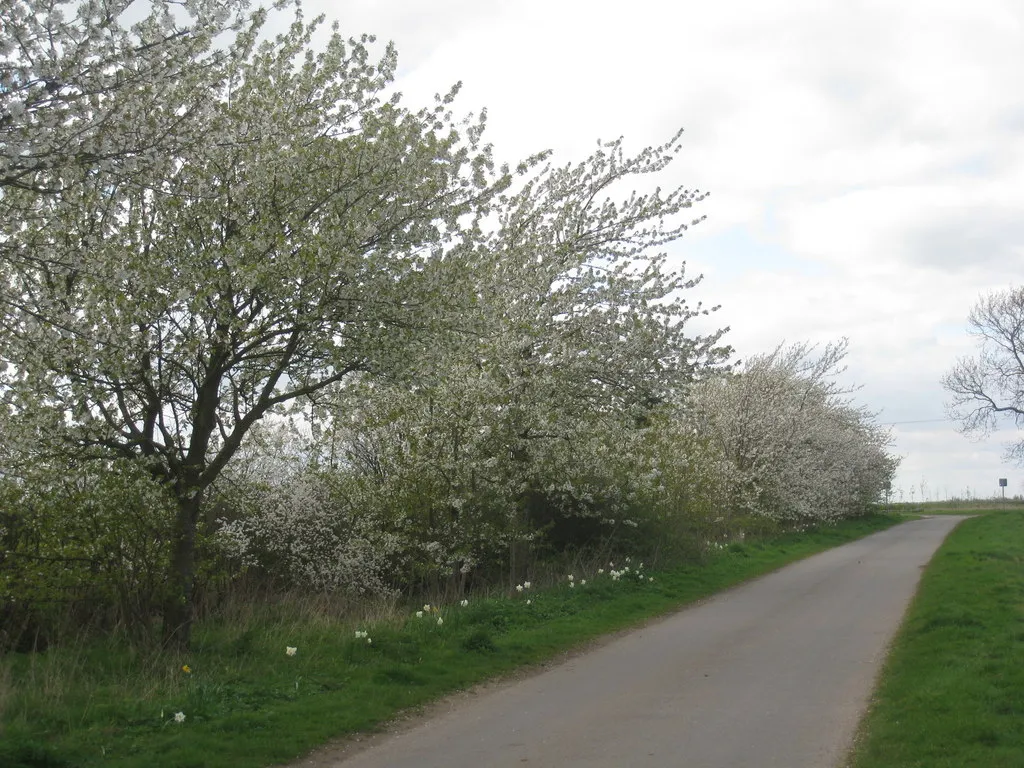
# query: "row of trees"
[[206, 237]]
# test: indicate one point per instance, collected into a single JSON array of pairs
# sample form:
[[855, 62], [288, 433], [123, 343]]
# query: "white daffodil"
[[440, 621], [419, 614], [527, 584], [519, 587], [179, 717], [464, 603], [290, 650]]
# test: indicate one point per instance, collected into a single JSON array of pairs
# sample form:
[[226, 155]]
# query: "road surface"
[[773, 673]]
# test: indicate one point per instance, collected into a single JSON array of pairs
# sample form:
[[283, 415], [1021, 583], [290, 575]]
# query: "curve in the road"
[[773, 673]]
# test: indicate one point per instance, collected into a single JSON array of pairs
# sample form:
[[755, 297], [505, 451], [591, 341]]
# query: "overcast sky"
[[865, 162]]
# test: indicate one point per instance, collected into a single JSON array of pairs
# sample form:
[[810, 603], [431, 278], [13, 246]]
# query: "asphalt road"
[[774, 673]]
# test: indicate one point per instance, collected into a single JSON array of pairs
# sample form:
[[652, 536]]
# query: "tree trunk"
[[179, 606]]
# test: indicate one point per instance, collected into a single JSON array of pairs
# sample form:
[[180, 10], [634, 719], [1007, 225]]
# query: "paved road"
[[773, 673]]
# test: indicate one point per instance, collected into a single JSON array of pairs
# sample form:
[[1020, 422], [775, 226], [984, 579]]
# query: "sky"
[[865, 162]]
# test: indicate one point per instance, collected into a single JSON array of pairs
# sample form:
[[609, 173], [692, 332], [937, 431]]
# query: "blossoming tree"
[[797, 447], [534, 413], [158, 317], [82, 90]]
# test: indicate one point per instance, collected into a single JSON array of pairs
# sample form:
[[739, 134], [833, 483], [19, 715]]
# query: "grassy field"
[[952, 691], [957, 507], [245, 700]]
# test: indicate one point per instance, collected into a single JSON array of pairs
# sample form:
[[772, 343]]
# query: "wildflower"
[[529, 602], [572, 585], [440, 621], [464, 603], [369, 641], [650, 578], [186, 669], [360, 635], [419, 614], [179, 717], [600, 571], [426, 608], [571, 577], [519, 587], [583, 582], [290, 650], [527, 584]]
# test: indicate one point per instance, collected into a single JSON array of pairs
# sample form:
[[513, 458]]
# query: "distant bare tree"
[[988, 390]]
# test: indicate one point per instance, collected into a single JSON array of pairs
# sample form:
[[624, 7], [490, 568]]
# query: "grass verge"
[[952, 691], [246, 702]]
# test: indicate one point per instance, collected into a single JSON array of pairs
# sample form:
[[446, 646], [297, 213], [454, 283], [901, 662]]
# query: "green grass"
[[952, 691], [247, 703], [957, 507]]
